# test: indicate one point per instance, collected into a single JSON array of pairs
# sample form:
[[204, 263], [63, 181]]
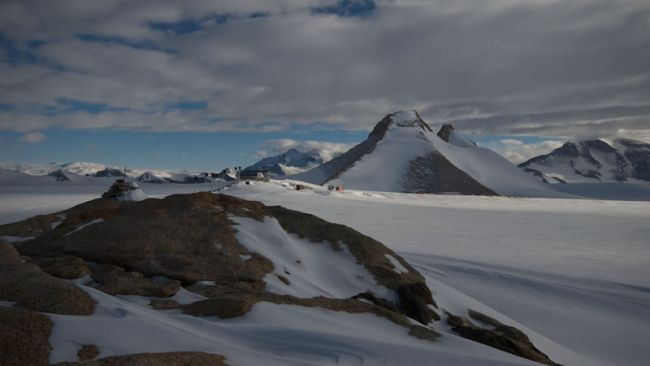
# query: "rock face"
[[155, 359], [593, 161], [24, 337], [497, 335], [30, 288], [116, 281]]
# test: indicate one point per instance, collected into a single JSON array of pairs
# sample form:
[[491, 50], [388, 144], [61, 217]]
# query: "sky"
[[201, 84]]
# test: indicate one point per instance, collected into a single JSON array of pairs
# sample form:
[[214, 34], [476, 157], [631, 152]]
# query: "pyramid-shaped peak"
[[445, 131]]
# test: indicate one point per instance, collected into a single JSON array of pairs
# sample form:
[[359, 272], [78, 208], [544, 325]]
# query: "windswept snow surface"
[[313, 269], [269, 334], [572, 272]]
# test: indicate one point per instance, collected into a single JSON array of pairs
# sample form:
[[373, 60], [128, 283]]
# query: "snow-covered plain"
[[572, 274], [576, 272]]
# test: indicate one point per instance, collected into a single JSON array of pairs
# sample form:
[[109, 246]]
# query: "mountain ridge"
[[594, 160]]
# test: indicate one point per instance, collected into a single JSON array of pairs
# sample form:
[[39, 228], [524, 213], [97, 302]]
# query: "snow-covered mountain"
[[78, 168], [403, 154], [76, 171], [290, 162], [593, 161]]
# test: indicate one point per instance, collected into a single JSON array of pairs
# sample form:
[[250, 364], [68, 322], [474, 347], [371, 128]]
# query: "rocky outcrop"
[[24, 337], [436, 174], [493, 333], [116, 281], [190, 238], [235, 304], [445, 131], [87, 352], [66, 267], [155, 359], [30, 288]]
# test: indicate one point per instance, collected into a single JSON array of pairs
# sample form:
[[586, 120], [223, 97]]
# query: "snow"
[[15, 239], [269, 334], [399, 268], [96, 221], [573, 274], [313, 269], [491, 169], [405, 140], [383, 169]]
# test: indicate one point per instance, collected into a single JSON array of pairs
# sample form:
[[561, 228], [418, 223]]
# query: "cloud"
[[34, 137], [327, 150], [556, 68], [518, 151]]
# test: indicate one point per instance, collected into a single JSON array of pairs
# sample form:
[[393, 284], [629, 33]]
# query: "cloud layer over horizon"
[[571, 68]]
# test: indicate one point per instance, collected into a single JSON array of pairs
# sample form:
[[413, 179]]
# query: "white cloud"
[[34, 137], [518, 151]]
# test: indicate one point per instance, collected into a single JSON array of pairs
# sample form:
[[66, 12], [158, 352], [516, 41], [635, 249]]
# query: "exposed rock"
[[183, 237], [235, 304], [116, 281], [163, 304], [87, 352], [445, 131], [66, 267], [155, 359], [24, 337], [497, 335], [33, 289], [436, 174], [190, 238]]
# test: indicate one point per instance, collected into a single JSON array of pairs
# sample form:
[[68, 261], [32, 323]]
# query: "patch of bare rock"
[[30, 288], [155, 359], [491, 332]]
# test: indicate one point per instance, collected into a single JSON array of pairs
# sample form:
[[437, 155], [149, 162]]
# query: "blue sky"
[[203, 85]]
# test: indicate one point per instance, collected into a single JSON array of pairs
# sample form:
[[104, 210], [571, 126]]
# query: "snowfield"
[[574, 275]]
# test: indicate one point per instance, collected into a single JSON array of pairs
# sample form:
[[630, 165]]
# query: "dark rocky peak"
[[598, 145], [445, 131]]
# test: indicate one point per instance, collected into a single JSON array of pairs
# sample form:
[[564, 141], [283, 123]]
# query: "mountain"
[[290, 162], [403, 154], [593, 161], [82, 171], [78, 168]]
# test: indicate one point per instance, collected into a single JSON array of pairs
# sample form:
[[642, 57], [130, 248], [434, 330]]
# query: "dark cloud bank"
[[553, 68]]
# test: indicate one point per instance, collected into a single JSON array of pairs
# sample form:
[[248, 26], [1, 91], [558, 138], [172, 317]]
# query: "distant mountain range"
[[74, 171], [590, 161], [403, 154], [290, 162]]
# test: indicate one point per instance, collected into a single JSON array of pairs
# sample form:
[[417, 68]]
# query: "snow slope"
[[389, 161], [574, 272]]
